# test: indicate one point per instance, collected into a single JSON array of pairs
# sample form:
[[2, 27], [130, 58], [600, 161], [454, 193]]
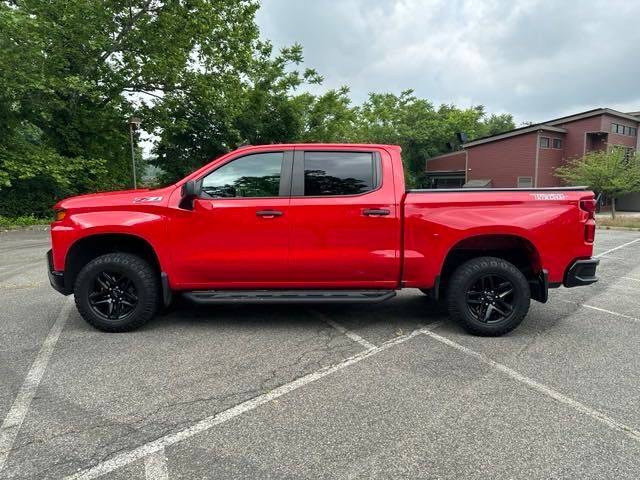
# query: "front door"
[[236, 235], [344, 222]]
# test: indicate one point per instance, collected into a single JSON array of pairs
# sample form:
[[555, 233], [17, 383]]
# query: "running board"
[[289, 296]]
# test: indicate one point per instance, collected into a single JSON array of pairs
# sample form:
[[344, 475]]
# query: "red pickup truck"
[[319, 223]]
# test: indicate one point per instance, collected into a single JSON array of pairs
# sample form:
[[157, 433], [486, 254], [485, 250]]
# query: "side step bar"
[[289, 296]]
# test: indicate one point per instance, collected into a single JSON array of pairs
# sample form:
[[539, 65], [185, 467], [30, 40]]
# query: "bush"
[[31, 198], [23, 221]]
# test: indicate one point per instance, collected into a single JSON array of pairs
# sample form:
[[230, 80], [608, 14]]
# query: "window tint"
[[251, 176], [544, 142], [338, 173]]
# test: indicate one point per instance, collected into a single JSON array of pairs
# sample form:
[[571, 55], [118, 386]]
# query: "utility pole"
[[134, 123]]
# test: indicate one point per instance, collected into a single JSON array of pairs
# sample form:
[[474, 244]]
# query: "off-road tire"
[[467, 275], [143, 277]]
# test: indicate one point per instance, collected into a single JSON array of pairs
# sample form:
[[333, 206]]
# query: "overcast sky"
[[536, 59]]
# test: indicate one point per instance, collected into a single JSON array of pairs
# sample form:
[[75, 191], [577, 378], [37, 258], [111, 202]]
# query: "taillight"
[[589, 206], [589, 231]]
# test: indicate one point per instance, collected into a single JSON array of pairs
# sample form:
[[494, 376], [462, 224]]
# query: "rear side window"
[[250, 176], [339, 173]]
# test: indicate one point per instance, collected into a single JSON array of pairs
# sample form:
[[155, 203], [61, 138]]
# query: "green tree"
[[73, 71], [213, 114], [496, 124], [422, 130], [329, 117], [613, 173]]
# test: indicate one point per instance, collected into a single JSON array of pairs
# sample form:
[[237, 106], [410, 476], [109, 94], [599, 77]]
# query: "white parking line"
[[548, 391], [346, 332], [13, 421], [155, 466], [622, 315], [618, 248], [126, 458], [610, 312], [631, 278]]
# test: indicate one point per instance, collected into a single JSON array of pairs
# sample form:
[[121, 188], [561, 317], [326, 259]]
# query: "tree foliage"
[[612, 172], [73, 71]]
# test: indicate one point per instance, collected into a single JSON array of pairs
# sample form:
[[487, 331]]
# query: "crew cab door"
[[236, 234], [344, 220]]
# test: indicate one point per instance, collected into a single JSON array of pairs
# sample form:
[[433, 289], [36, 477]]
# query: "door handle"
[[376, 212], [269, 213]]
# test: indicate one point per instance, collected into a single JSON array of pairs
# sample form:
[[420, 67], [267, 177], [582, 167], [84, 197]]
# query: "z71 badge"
[[147, 199]]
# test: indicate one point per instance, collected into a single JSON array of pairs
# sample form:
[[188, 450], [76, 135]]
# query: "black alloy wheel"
[[117, 292], [113, 295], [488, 296], [491, 299]]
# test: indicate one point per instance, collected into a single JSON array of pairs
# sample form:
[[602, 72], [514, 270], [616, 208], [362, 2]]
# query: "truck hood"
[[117, 198]]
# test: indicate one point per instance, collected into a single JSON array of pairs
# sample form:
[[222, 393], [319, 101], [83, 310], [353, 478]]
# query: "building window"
[[544, 142], [525, 182], [627, 152], [624, 130], [557, 143]]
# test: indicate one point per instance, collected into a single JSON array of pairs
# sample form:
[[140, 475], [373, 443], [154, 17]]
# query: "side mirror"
[[191, 190]]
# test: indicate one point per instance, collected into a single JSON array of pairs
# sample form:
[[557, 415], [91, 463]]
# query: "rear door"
[[343, 219]]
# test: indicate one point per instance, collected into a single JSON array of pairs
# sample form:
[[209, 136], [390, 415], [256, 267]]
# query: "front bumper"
[[55, 278], [582, 272]]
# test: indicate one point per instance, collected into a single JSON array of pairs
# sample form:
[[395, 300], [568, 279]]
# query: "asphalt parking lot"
[[382, 391]]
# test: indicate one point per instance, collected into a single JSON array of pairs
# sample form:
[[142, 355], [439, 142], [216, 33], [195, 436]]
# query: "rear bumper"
[[56, 279], [582, 272]]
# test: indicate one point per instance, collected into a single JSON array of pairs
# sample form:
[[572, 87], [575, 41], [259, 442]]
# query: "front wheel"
[[488, 296], [117, 292]]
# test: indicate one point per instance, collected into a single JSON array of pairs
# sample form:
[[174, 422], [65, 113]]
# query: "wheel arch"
[[85, 249], [513, 248]]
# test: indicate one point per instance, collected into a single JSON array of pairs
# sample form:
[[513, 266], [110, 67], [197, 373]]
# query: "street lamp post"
[[134, 123]]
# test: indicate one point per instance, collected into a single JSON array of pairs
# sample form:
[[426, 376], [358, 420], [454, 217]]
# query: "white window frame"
[[529, 182]]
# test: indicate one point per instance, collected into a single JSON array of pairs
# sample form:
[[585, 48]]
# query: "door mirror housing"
[[191, 190]]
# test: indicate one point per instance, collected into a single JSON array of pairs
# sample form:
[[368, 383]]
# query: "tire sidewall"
[[468, 274], [136, 270]]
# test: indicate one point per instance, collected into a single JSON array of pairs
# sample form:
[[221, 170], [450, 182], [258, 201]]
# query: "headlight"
[[60, 214]]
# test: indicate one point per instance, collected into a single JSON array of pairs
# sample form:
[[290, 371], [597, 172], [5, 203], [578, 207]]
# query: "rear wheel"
[[117, 292], [488, 296]]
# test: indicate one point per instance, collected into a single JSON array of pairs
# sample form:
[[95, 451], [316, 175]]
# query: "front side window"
[[338, 173], [255, 175]]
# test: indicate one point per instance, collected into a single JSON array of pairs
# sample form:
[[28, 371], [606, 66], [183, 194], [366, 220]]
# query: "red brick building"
[[526, 157]]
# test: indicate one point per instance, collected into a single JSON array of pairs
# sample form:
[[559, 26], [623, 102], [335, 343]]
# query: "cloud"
[[535, 59]]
